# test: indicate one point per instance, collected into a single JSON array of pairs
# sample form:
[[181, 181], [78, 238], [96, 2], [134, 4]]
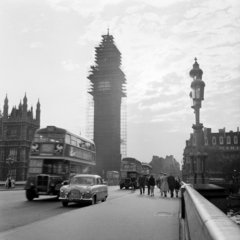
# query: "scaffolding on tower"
[[124, 128], [90, 120], [89, 112], [106, 107]]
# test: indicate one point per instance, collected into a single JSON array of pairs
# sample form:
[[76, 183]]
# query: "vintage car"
[[86, 188]]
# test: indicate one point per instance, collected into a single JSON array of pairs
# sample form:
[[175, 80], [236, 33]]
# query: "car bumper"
[[75, 199]]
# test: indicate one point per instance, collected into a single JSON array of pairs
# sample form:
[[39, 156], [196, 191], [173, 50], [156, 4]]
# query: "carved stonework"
[[16, 138]]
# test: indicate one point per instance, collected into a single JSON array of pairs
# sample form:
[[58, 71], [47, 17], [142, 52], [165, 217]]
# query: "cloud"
[[161, 4], [36, 45], [135, 8], [69, 65], [59, 5], [25, 30], [84, 8], [159, 41]]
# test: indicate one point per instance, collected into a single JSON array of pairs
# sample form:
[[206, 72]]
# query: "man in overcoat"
[[141, 182], [152, 184], [171, 183]]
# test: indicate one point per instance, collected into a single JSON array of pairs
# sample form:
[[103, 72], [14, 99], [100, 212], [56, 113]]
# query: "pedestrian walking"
[[6, 183], [133, 184], [164, 185], [147, 183], [13, 183], [141, 182], [152, 184], [171, 183], [160, 183], [177, 185], [9, 182]]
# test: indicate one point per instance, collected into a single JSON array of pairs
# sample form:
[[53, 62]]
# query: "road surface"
[[17, 211]]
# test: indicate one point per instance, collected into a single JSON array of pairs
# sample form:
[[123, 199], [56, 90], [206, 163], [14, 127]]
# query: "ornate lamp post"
[[198, 157], [184, 167]]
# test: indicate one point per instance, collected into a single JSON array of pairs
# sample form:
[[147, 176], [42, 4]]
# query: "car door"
[[104, 189], [100, 189]]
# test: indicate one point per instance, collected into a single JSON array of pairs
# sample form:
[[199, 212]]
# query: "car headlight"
[[88, 190]]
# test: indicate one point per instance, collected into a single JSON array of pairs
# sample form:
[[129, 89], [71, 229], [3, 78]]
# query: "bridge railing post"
[[182, 202]]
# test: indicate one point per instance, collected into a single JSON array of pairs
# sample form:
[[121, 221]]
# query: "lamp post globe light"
[[198, 158]]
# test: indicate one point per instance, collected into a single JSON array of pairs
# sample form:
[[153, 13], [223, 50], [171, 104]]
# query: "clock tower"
[[107, 88]]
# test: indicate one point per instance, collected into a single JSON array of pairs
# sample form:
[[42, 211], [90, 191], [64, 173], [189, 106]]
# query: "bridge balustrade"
[[203, 220]]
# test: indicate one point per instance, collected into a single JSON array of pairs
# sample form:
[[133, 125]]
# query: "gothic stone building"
[[223, 149], [16, 133]]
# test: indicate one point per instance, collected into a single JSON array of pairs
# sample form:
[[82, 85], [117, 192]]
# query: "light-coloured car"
[[87, 188]]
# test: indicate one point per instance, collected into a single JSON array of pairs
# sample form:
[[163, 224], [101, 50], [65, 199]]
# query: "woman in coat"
[[164, 185]]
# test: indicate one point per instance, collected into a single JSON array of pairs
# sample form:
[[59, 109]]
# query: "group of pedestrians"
[[166, 183], [10, 183]]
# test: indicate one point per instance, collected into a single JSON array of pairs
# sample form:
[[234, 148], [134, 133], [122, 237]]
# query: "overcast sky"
[[47, 48]]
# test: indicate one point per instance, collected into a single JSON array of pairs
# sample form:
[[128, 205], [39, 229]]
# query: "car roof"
[[87, 175]]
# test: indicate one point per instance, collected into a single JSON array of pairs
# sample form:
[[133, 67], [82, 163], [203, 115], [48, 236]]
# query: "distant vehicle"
[[146, 169], [86, 188], [66, 182], [130, 168], [56, 155], [112, 178]]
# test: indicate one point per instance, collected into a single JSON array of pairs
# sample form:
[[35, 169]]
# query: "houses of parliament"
[[17, 128]]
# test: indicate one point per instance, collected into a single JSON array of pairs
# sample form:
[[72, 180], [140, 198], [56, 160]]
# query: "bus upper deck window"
[[67, 139], [88, 146], [73, 141], [42, 138], [79, 142], [83, 144], [92, 147]]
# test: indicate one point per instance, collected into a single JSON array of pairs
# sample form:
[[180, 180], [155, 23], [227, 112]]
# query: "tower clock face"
[[104, 86]]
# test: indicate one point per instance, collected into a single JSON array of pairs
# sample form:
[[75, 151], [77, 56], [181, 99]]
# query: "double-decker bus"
[[112, 178], [146, 169], [56, 155], [130, 168]]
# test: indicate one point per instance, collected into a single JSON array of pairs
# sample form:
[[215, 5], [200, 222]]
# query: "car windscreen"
[[82, 181]]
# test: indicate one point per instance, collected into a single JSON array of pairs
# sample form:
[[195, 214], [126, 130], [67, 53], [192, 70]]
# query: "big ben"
[[108, 89]]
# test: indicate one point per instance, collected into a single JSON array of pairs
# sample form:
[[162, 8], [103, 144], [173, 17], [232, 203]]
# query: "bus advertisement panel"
[[130, 168], [56, 155]]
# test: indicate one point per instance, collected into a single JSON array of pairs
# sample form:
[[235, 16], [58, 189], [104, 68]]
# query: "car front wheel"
[[93, 200], [105, 198], [30, 195]]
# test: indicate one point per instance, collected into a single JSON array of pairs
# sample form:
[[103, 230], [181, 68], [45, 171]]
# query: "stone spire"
[[38, 112], [24, 106], [5, 108]]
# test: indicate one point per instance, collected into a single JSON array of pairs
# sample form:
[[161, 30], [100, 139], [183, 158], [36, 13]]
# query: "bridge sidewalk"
[[132, 216], [18, 186]]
